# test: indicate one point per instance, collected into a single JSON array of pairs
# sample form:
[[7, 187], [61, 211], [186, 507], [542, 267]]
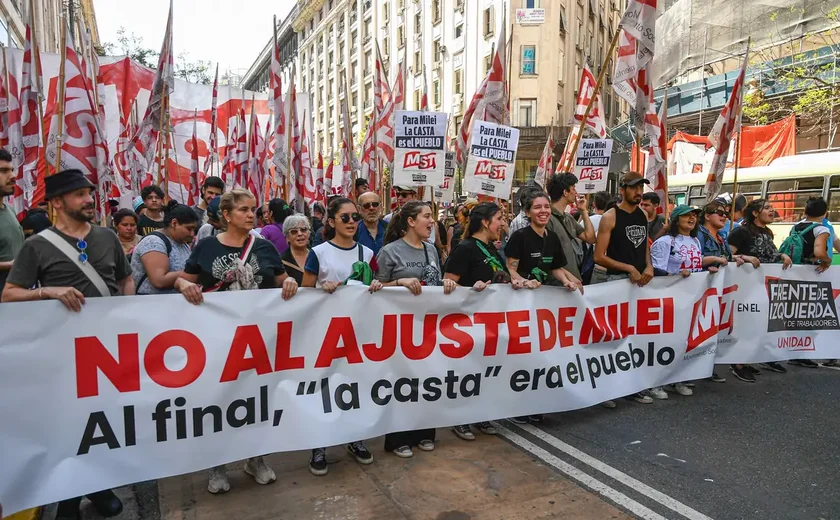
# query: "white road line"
[[587, 481], [624, 478], [832, 368]]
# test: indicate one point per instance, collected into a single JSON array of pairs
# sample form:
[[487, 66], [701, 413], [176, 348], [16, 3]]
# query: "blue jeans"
[[599, 276]]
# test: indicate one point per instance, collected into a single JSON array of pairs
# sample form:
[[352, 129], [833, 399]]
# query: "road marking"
[[832, 368], [586, 480], [627, 480]]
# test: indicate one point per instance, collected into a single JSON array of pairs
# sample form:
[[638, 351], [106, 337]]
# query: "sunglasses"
[[720, 213], [368, 205], [298, 231], [346, 217], [82, 246], [404, 194]]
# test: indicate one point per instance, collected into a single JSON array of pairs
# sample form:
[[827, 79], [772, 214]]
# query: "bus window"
[[790, 195], [675, 199], [696, 197], [750, 190], [834, 199]]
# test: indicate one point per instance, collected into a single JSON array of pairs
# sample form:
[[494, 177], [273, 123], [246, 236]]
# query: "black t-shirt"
[[757, 242], [457, 231], [291, 266], [655, 227], [472, 265], [212, 261], [629, 239], [533, 250], [146, 226]]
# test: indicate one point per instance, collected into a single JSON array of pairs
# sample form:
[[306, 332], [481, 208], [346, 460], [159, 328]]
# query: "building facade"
[[257, 76], [14, 15]]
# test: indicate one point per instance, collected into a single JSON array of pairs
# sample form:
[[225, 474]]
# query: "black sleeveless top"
[[628, 241]]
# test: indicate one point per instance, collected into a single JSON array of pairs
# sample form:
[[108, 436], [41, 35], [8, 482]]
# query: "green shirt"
[[11, 239]]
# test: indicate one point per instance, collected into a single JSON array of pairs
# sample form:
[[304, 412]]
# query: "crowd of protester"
[[228, 243]]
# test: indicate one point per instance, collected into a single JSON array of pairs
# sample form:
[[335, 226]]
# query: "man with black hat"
[[11, 234], [69, 262]]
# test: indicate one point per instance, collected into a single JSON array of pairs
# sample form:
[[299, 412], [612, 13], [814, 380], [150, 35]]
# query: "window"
[[330, 59], [418, 62], [529, 60], [489, 21], [418, 23], [436, 51], [417, 95], [458, 79], [386, 13], [353, 37], [751, 190], [488, 62], [459, 30], [401, 36], [834, 199], [789, 196], [436, 88], [530, 4], [436, 11], [562, 20], [527, 112]]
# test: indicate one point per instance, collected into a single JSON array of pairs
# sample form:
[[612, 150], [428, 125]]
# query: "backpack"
[[166, 243], [794, 245]]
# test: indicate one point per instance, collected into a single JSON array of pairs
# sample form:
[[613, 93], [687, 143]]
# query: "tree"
[[131, 45]]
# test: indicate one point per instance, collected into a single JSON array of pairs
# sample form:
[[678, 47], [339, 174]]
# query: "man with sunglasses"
[[372, 232], [58, 261], [404, 194]]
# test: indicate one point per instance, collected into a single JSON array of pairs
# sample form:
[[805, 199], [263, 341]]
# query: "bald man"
[[371, 231]]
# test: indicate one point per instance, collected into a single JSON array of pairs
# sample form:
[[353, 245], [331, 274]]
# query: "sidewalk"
[[483, 479]]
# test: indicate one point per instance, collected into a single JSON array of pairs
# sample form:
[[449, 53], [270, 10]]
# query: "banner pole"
[[665, 153], [591, 103], [166, 152], [738, 141], [61, 95]]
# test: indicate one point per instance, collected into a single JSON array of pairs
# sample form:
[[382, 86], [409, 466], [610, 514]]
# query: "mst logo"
[[423, 161], [800, 305], [712, 315], [492, 171], [591, 174]]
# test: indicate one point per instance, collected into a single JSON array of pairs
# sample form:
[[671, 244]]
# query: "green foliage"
[[131, 45]]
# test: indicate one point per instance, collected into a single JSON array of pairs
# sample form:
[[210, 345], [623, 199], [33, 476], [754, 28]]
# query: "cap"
[[683, 209], [213, 209], [65, 181], [137, 203], [633, 179], [409, 189]]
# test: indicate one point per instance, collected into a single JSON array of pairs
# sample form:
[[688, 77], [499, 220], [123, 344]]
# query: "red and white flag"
[[4, 103], [640, 21], [308, 190], [212, 143], [381, 95], [229, 162], [544, 168], [241, 158], [349, 163], [424, 94], [280, 152], [655, 170], [318, 174], [565, 164], [586, 90], [385, 121], [329, 189], [194, 194], [144, 141], [256, 158], [723, 131], [490, 101], [15, 139], [293, 137], [30, 125]]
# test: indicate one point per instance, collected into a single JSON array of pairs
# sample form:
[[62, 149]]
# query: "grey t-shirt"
[[40, 261], [11, 239], [401, 260], [177, 260], [568, 230]]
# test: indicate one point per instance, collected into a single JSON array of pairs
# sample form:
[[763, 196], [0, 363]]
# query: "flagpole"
[[61, 95], [36, 55], [665, 151], [591, 103], [738, 141], [180, 184], [166, 152]]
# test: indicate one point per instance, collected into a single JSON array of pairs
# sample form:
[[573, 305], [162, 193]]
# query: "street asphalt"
[[733, 450]]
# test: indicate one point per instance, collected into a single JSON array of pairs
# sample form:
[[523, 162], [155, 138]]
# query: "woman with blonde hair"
[[235, 260]]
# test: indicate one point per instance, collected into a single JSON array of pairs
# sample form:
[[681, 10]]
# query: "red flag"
[[213, 152], [385, 120], [30, 124], [308, 188], [595, 121], [256, 158], [329, 189], [544, 167], [566, 158], [381, 95], [721, 135], [424, 96], [639, 21], [293, 138], [229, 163], [241, 164], [195, 191], [655, 171], [280, 149], [318, 174], [349, 163]]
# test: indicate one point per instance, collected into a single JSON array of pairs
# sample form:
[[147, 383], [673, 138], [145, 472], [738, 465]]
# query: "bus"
[[787, 183]]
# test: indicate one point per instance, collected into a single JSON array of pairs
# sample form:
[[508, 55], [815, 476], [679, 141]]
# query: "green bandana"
[[539, 274], [361, 273], [492, 260]]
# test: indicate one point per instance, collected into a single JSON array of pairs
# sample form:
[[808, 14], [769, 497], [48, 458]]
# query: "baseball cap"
[[213, 209], [409, 189], [633, 179], [683, 209]]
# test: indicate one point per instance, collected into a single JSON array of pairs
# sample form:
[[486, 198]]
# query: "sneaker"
[[641, 398], [538, 418], [754, 371], [774, 366], [463, 431], [427, 445], [680, 388], [404, 452], [106, 503], [486, 428], [519, 420], [318, 462], [716, 378], [358, 450], [744, 373], [831, 363], [807, 363], [608, 404], [257, 468], [218, 481], [657, 393]]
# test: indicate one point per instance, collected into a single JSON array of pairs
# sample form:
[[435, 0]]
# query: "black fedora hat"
[[65, 181]]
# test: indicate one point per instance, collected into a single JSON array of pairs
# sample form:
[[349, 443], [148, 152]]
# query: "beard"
[[81, 215]]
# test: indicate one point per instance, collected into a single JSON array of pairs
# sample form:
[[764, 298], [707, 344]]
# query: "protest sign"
[[446, 191], [419, 156], [492, 158], [100, 399], [592, 164]]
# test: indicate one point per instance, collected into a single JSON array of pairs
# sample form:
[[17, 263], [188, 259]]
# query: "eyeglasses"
[[298, 231], [82, 247], [719, 212], [346, 217], [404, 194], [368, 205]]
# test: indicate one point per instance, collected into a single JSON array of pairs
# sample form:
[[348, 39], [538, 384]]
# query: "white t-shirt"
[[207, 230], [335, 264], [596, 221], [675, 254], [819, 230]]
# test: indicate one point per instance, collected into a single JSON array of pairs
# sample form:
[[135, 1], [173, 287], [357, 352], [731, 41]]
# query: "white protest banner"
[[491, 163], [446, 191], [592, 164], [101, 399], [419, 156]]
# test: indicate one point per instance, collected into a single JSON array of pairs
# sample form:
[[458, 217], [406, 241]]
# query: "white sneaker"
[[682, 389], [658, 393], [426, 445], [257, 468], [404, 452], [218, 481]]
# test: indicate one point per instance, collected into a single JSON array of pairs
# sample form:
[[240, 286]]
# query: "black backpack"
[[166, 243]]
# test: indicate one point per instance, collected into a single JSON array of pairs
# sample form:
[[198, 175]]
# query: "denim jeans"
[[601, 276]]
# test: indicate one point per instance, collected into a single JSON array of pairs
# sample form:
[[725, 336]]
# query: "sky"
[[228, 32]]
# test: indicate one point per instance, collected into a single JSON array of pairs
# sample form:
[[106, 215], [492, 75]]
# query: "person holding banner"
[[158, 260], [520, 221], [235, 260], [297, 231], [408, 261], [70, 262], [476, 263], [340, 261]]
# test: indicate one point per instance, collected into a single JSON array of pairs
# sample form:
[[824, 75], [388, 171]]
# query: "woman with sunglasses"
[[340, 261], [476, 263], [407, 260], [235, 260], [296, 229]]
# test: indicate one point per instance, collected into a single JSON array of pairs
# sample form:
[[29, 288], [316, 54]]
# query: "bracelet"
[[41, 293]]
